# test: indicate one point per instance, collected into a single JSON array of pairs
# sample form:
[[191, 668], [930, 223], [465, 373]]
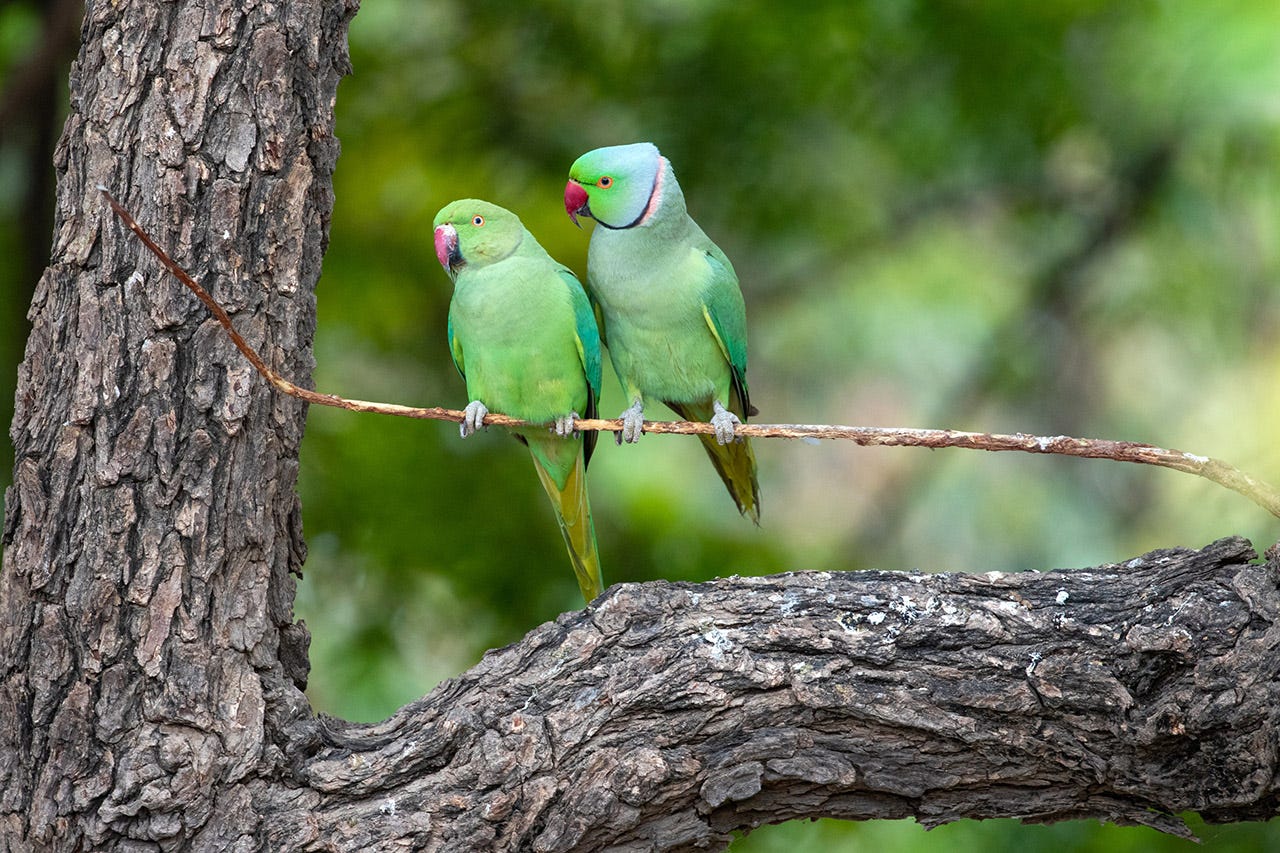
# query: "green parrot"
[[524, 338], [671, 312]]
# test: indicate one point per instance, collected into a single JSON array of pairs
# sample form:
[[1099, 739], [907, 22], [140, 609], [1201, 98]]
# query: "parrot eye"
[[605, 182], [477, 220]]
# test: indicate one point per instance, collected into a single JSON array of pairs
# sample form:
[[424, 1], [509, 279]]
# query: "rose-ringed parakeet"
[[524, 338], [671, 311]]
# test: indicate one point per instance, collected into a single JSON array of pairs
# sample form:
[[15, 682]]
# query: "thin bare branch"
[[1258, 491]]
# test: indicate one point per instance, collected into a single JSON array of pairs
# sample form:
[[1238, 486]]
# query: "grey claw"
[[725, 422], [632, 424], [472, 418], [565, 425]]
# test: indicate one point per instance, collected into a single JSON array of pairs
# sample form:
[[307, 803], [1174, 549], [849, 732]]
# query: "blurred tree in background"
[[1061, 217]]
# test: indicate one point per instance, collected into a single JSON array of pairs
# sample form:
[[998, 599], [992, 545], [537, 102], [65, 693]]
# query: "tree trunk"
[[151, 673], [148, 656]]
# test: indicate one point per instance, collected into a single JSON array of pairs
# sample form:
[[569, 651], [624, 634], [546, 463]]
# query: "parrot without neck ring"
[[671, 311], [524, 338]]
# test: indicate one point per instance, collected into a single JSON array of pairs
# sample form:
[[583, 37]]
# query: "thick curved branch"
[[667, 715], [1222, 473]]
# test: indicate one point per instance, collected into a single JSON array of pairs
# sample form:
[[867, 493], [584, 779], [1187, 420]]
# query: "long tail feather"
[[573, 511], [735, 463]]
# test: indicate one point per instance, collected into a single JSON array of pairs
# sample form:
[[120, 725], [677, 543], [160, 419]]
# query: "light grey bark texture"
[[151, 671], [667, 715]]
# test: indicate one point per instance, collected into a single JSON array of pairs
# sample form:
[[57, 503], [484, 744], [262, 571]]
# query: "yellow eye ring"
[[477, 220], [605, 182]]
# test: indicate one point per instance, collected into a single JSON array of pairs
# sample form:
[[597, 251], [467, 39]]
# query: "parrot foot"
[[632, 424], [472, 418], [565, 424], [725, 422]]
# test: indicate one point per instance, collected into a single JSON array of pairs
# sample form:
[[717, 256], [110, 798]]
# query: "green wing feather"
[[588, 340], [455, 347], [725, 315], [588, 337]]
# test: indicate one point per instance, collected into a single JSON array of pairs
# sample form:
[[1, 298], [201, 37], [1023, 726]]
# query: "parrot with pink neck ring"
[[671, 311], [524, 338]]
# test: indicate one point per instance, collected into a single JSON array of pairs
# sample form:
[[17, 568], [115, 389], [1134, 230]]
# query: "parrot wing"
[[588, 340], [455, 347], [725, 314]]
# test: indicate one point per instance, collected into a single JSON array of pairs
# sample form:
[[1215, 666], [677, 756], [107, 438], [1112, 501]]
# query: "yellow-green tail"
[[573, 511], [735, 462]]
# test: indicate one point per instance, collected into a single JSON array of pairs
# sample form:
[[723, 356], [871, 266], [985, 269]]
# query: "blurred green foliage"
[[19, 39], [1059, 217]]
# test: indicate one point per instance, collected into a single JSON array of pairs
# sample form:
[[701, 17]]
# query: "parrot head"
[[474, 232], [616, 185]]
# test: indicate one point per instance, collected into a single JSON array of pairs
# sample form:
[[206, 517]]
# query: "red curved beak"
[[575, 201], [447, 246]]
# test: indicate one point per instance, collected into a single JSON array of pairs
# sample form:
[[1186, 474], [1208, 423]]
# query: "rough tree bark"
[[151, 673], [667, 715], [148, 656]]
